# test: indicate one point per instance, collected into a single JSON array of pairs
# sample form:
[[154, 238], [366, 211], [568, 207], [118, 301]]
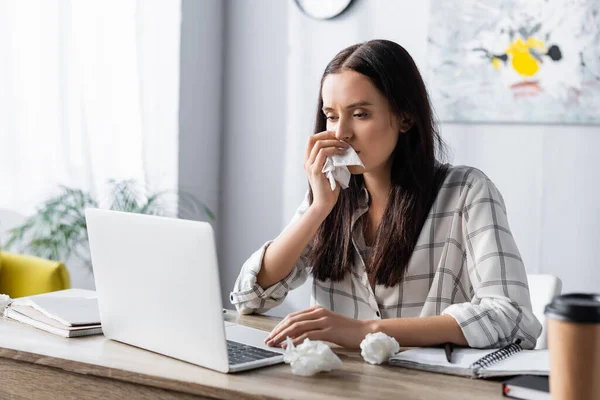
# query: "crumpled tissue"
[[5, 300], [378, 347], [335, 167], [310, 357]]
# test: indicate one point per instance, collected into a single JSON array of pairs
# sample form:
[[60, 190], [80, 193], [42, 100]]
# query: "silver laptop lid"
[[158, 285]]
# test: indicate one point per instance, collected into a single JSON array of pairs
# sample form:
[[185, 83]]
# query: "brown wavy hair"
[[416, 172]]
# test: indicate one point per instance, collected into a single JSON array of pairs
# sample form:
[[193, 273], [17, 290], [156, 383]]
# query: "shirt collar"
[[363, 205], [363, 198]]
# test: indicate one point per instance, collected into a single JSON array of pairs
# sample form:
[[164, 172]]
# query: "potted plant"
[[58, 229]]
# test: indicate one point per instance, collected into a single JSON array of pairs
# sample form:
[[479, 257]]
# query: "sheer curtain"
[[89, 91]]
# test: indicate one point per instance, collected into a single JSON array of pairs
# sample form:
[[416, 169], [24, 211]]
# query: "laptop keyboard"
[[242, 353]]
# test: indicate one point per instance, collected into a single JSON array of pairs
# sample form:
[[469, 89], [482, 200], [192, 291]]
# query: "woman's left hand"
[[318, 323]]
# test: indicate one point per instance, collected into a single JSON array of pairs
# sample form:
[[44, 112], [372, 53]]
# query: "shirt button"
[[378, 314]]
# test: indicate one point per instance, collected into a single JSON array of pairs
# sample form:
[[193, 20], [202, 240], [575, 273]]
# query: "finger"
[[297, 329], [310, 313], [306, 310], [321, 144], [319, 334], [314, 139], [317, 166]]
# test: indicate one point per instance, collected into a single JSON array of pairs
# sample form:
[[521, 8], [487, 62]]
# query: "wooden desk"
[[38, 365]]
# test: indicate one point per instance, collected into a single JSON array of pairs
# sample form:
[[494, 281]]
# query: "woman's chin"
[[356, 169]]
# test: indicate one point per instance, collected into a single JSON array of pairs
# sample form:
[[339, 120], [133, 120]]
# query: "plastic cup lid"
[[575, 307]]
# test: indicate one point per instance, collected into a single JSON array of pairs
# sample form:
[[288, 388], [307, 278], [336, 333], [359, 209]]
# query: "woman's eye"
[[331, 118], [360, 115]]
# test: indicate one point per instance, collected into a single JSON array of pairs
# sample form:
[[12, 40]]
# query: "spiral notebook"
[[475, 363]]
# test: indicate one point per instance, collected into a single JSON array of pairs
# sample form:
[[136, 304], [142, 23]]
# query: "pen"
[[449, 347]]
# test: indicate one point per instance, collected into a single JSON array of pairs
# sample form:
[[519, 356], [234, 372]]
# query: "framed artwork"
[[515, 61]]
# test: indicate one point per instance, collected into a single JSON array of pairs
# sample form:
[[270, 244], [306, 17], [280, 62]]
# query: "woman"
[[413, 248]]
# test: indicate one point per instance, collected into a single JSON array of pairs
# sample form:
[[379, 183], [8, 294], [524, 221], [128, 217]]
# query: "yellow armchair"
[[22, 275]]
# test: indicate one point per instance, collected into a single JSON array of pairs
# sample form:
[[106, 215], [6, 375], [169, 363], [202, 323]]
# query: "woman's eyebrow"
[[353, 105]]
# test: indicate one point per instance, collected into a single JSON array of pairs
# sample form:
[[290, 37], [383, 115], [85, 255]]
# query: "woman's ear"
[[405, 122]]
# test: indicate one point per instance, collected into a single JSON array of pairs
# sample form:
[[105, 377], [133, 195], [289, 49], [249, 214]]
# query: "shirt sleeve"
[[249, 297], [500, 310]]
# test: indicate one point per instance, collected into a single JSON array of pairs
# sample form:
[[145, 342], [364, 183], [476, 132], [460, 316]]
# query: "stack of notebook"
[[60, 313]]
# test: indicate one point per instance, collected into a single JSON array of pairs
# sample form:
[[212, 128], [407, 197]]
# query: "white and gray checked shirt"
[[465, 264]]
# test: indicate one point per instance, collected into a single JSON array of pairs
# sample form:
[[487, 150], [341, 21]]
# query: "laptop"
[[157, 282]]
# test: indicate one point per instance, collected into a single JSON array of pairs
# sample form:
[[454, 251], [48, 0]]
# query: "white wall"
[[548, 176], [254, 118], [201, 101]]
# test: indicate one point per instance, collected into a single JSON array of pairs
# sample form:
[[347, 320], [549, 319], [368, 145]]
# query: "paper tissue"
[[335, 167], [4, 302], [310, 357], [378, 347]]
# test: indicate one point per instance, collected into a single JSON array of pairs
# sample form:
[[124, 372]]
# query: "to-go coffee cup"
[[574, 344]]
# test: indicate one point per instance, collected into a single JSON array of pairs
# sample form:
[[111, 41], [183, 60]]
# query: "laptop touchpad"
[[249, 336]]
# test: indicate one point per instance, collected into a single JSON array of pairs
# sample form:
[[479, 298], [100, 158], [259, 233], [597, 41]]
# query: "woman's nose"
[[343, 132]]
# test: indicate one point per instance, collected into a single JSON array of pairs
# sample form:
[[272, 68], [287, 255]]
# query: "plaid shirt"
[[465, 264]]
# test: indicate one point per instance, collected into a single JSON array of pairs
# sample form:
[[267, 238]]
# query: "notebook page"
[[525, 362], [38, 316], [71, 311], [461, 358], [434, 359]]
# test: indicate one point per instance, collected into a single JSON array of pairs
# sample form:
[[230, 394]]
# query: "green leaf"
[[58, 228]]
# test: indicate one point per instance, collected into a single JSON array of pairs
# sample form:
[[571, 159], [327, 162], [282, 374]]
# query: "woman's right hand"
[[319, 147]]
